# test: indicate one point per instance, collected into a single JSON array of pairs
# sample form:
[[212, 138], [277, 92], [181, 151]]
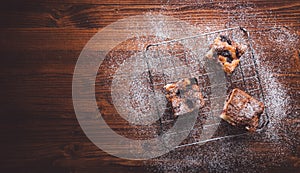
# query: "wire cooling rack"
[[171, 60]]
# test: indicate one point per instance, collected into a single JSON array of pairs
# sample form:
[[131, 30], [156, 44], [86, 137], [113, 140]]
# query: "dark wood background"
[[40, 41]]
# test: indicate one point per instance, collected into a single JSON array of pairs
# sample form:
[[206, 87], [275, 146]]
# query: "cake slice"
[[184, 96], [242, 110], [227, 52]]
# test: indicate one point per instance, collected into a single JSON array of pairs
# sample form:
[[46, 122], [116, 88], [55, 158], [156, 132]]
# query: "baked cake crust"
[[184, 96], [227, 52], [241, 109]]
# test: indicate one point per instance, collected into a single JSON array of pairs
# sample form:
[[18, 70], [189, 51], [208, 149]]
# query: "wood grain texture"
[[40, 42]]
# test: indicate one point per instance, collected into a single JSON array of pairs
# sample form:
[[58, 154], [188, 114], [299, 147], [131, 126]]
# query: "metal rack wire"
[[171, 60]]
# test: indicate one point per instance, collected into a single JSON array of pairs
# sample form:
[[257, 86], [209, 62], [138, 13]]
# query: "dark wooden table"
[[40, 42]]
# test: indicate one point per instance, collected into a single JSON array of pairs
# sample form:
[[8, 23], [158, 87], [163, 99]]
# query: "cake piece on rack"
[[227, 52], [242, 110], [184, 96]]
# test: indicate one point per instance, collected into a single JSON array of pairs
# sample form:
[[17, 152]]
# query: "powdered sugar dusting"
[[225, 155], [233, 155], [277, 102], [284, 42]]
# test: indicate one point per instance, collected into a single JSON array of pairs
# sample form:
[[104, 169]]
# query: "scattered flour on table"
[[277, 101]]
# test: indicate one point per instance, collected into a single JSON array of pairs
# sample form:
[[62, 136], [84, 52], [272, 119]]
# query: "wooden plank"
[[73, 15], [40, 43]]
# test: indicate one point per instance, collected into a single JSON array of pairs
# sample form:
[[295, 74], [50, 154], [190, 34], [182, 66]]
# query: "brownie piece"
[[242, 110], [227, 52], [184, 96]]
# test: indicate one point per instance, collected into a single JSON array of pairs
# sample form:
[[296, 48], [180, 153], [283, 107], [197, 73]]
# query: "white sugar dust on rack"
[[222, 156]]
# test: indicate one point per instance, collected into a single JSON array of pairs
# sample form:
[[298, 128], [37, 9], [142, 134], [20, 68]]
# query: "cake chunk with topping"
[[184, 96], [242, 110], [227, 52]]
